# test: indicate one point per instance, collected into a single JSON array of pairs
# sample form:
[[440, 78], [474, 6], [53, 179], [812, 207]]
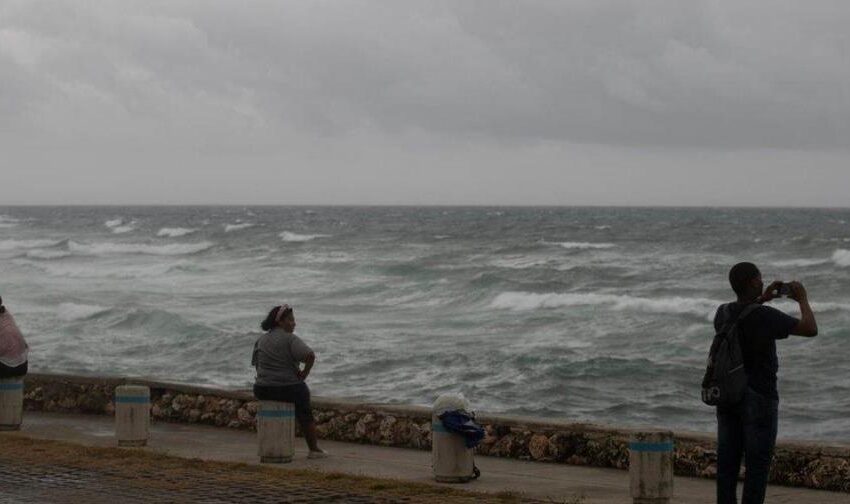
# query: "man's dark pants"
[[748, 429]]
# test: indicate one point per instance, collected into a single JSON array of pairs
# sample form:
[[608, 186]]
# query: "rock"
[[109, 409], [538, 447], [386, 430], [252, 407], [361, 429], [68, 403], [194, 415], [199, 401], [243, 416]]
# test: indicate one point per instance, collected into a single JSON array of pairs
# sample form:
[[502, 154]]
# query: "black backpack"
[[725, 379]]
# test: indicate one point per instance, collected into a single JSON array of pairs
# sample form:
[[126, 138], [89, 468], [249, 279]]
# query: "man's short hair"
[[741, 275]]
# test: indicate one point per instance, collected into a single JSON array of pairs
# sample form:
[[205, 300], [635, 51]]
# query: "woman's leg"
[[304, 413]]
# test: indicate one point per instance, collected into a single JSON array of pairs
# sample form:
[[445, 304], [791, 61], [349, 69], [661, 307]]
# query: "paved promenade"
[[500, 478]]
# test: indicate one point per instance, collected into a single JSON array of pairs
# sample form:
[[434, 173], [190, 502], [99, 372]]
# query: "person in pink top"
[[13, 348]]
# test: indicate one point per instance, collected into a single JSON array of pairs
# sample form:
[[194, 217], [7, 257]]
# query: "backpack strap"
[[747, 311]]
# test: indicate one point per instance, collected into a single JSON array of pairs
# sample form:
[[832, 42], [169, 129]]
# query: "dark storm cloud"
[[305, 81]]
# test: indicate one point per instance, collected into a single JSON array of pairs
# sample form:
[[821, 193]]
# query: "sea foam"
[[295, 237], [8, 222], [841, 257], [74, 311], [108, 248], [27, 244], [799, 263], [582, 245], [175, 232], [47, 254], [523, 301], [236, 227]]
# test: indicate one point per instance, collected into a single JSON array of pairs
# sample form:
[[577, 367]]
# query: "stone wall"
[[795, 464]]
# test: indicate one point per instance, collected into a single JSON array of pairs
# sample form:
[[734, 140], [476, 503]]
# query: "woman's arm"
[[308, 365]]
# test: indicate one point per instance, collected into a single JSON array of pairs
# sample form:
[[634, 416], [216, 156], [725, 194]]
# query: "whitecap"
[[123, 229], [139, 248], [518, 262], [100, 271], [298, 238], [841, 257], [47, 254], [236, 227], [582, 245], [175, 232], [8, 222], [799, 263], [603, 227], [26, 244], [74, 311], [525, 301], [113, 223]]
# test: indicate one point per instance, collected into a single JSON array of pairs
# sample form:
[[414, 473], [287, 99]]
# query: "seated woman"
[[13, 348], [278, 356]]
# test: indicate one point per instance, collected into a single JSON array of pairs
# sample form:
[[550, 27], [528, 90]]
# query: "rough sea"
[[581, 314]]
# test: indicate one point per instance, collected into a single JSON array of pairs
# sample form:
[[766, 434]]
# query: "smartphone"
[[784, 289]]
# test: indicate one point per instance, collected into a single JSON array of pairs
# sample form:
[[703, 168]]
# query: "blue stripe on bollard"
[[651, 447], [132, 400], [439, 427], [276, 414], [11, 386]]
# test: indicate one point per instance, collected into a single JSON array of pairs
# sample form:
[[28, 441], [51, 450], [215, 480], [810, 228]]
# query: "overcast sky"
[[580, 102]]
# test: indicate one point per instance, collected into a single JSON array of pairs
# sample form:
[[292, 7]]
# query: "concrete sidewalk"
[[555, 482]]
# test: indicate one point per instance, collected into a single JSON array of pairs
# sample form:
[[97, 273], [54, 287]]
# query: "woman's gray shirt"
[[276, 356]]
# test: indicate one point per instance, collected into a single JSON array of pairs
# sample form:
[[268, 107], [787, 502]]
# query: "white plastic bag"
[[450, 402]]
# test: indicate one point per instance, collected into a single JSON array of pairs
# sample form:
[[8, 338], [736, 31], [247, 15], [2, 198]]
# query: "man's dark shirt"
[[760, 331]]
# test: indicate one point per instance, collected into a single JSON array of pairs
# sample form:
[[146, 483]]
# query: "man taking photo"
[[749, 427]]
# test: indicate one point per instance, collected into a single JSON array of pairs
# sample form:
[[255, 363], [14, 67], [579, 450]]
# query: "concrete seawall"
[[796, 464]]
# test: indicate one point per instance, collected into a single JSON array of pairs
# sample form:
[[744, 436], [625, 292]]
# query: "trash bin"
[[11, 403], [451, 457]]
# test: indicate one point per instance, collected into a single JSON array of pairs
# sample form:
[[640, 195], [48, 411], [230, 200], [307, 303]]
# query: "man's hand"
[[302, 374], [769, 293], [798, 292]]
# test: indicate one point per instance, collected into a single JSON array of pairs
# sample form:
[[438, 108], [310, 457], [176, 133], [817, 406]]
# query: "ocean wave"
[[525, 301], [109, 248], [175, 232], [118, 226], [74, 311], [581, 245], [236, 227], [841, 257], [519, 263], [84, 271], [298, 238], [8, 222], [603, 227], [27, 244], [47, 254], [800, 263]]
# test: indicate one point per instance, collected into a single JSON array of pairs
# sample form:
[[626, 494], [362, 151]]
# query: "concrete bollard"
[[451, 460], [132, 415], [11, 403], [651, 467], [276, 431]]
